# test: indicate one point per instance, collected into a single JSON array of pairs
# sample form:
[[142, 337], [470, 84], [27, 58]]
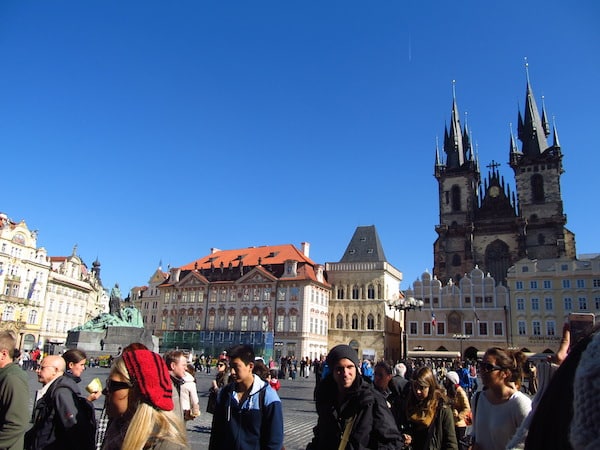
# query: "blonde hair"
[[149, 424]]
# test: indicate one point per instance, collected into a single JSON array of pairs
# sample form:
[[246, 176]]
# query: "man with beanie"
[[352, 414]]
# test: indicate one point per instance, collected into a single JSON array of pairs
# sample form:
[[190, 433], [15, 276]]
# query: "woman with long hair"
[[429, 424], [75, 360], [459, 403], [140, 405], [501, 407]]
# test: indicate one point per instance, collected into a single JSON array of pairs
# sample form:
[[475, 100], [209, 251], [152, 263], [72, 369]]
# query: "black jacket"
[[62, 419], [374, 426]]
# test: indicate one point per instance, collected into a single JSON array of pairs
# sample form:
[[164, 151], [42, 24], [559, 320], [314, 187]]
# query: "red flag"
[[433, 321]]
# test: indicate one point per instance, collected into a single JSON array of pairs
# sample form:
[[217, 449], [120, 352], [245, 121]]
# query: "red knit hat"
[[149, 371]]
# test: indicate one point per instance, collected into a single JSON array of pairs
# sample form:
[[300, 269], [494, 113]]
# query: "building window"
[[547, 284], [498, 329], [244, 322], [354, 292], [354, 322], [537, 328], [339, 322], [566, 284], [340, 293], [426, 328], [441, 328], [537, 188], [519, 285], [549, 303], [455, 194], [32, 317], [568, 303], [412, 328], [370, 322], [468, 328], [583, 303], [596, 282], [522, 328], [597, 302], [483, 329], [293, 322], [520, 304], [533, 284], [371, 292], [580, 284], [525, 269], [550, 328], [535, 304], [280, 322]]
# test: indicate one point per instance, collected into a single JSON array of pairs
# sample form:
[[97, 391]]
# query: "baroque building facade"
[[544, 292], [463, 319], [42, 296], [363, 283], [272, 297], [482, 222]]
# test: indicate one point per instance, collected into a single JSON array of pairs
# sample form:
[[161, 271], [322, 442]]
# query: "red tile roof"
[[269, 254]]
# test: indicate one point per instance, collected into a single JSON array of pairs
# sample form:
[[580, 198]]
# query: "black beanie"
[[342, 351]]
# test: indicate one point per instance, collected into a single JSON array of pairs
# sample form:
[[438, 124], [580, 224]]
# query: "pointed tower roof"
[[364, 246], [453, 139], [531, 130], [555, 134]]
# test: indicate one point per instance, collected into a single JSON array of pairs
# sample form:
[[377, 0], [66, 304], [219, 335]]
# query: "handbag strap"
[[346, 435]]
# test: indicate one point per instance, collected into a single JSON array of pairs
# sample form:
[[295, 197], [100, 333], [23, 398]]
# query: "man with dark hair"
[[14, 395], [248, 413], [177, 363], [352, 414]]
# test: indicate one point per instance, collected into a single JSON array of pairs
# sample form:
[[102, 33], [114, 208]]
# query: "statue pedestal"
[[111, 340]]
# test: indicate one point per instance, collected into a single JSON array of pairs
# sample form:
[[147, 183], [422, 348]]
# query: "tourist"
[[140, 405]]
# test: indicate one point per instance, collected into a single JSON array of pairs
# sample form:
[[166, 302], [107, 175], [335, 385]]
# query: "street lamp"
[[405, 304], [461, 338]]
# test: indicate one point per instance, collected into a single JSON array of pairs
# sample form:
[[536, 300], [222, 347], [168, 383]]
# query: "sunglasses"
[[114, 386], [487, 367]]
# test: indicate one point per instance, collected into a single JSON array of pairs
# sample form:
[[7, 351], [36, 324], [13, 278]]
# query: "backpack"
[[47, 431]]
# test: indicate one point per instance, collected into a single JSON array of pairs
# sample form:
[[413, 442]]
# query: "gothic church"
[[482, 222]]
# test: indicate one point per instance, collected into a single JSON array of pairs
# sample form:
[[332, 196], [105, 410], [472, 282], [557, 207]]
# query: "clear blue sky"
[[147, 131]]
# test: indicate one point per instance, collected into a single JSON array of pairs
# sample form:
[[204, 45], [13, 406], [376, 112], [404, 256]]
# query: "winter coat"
[[373, 428], [440, 435], [14, 408]]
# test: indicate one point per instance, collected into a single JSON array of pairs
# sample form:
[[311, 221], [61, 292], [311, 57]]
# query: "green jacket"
[[14, 407]]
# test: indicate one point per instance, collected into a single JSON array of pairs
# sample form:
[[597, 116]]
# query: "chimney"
[[305, 249], [175, 272]]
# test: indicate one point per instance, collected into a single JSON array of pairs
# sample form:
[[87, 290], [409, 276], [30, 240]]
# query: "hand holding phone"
[[580, 325]]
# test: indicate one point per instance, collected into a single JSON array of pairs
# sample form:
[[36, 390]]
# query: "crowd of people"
[[411, 405]]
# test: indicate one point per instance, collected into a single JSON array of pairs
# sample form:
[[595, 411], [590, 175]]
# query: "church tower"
[[482, 223], [537, 168], [458, 189]]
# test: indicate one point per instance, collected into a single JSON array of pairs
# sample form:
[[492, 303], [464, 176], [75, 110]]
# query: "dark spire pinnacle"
[[468, 148], [453, 140], [531, 131], [555, 134], [545, 123], [513, 143]]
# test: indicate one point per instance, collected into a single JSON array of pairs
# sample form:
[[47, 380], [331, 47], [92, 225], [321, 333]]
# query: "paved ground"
[[296, 396]]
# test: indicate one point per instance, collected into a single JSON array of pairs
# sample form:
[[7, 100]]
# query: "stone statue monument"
[[108, 332]]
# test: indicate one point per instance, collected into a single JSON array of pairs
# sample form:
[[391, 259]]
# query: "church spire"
[[453, 139], [531, 131], [555, 134]]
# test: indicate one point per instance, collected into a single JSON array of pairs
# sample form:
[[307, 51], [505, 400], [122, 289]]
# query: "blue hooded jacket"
[[250, 425]]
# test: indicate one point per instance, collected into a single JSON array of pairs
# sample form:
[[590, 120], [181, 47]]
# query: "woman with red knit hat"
[[140, 405]]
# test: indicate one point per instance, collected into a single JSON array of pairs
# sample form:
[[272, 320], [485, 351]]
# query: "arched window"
[[371, 292], [354, 322], [455, 194], [339, 322], [9, 313], [537, 188], [340, 293], [32, 318], [370, 322], [355, 292]]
